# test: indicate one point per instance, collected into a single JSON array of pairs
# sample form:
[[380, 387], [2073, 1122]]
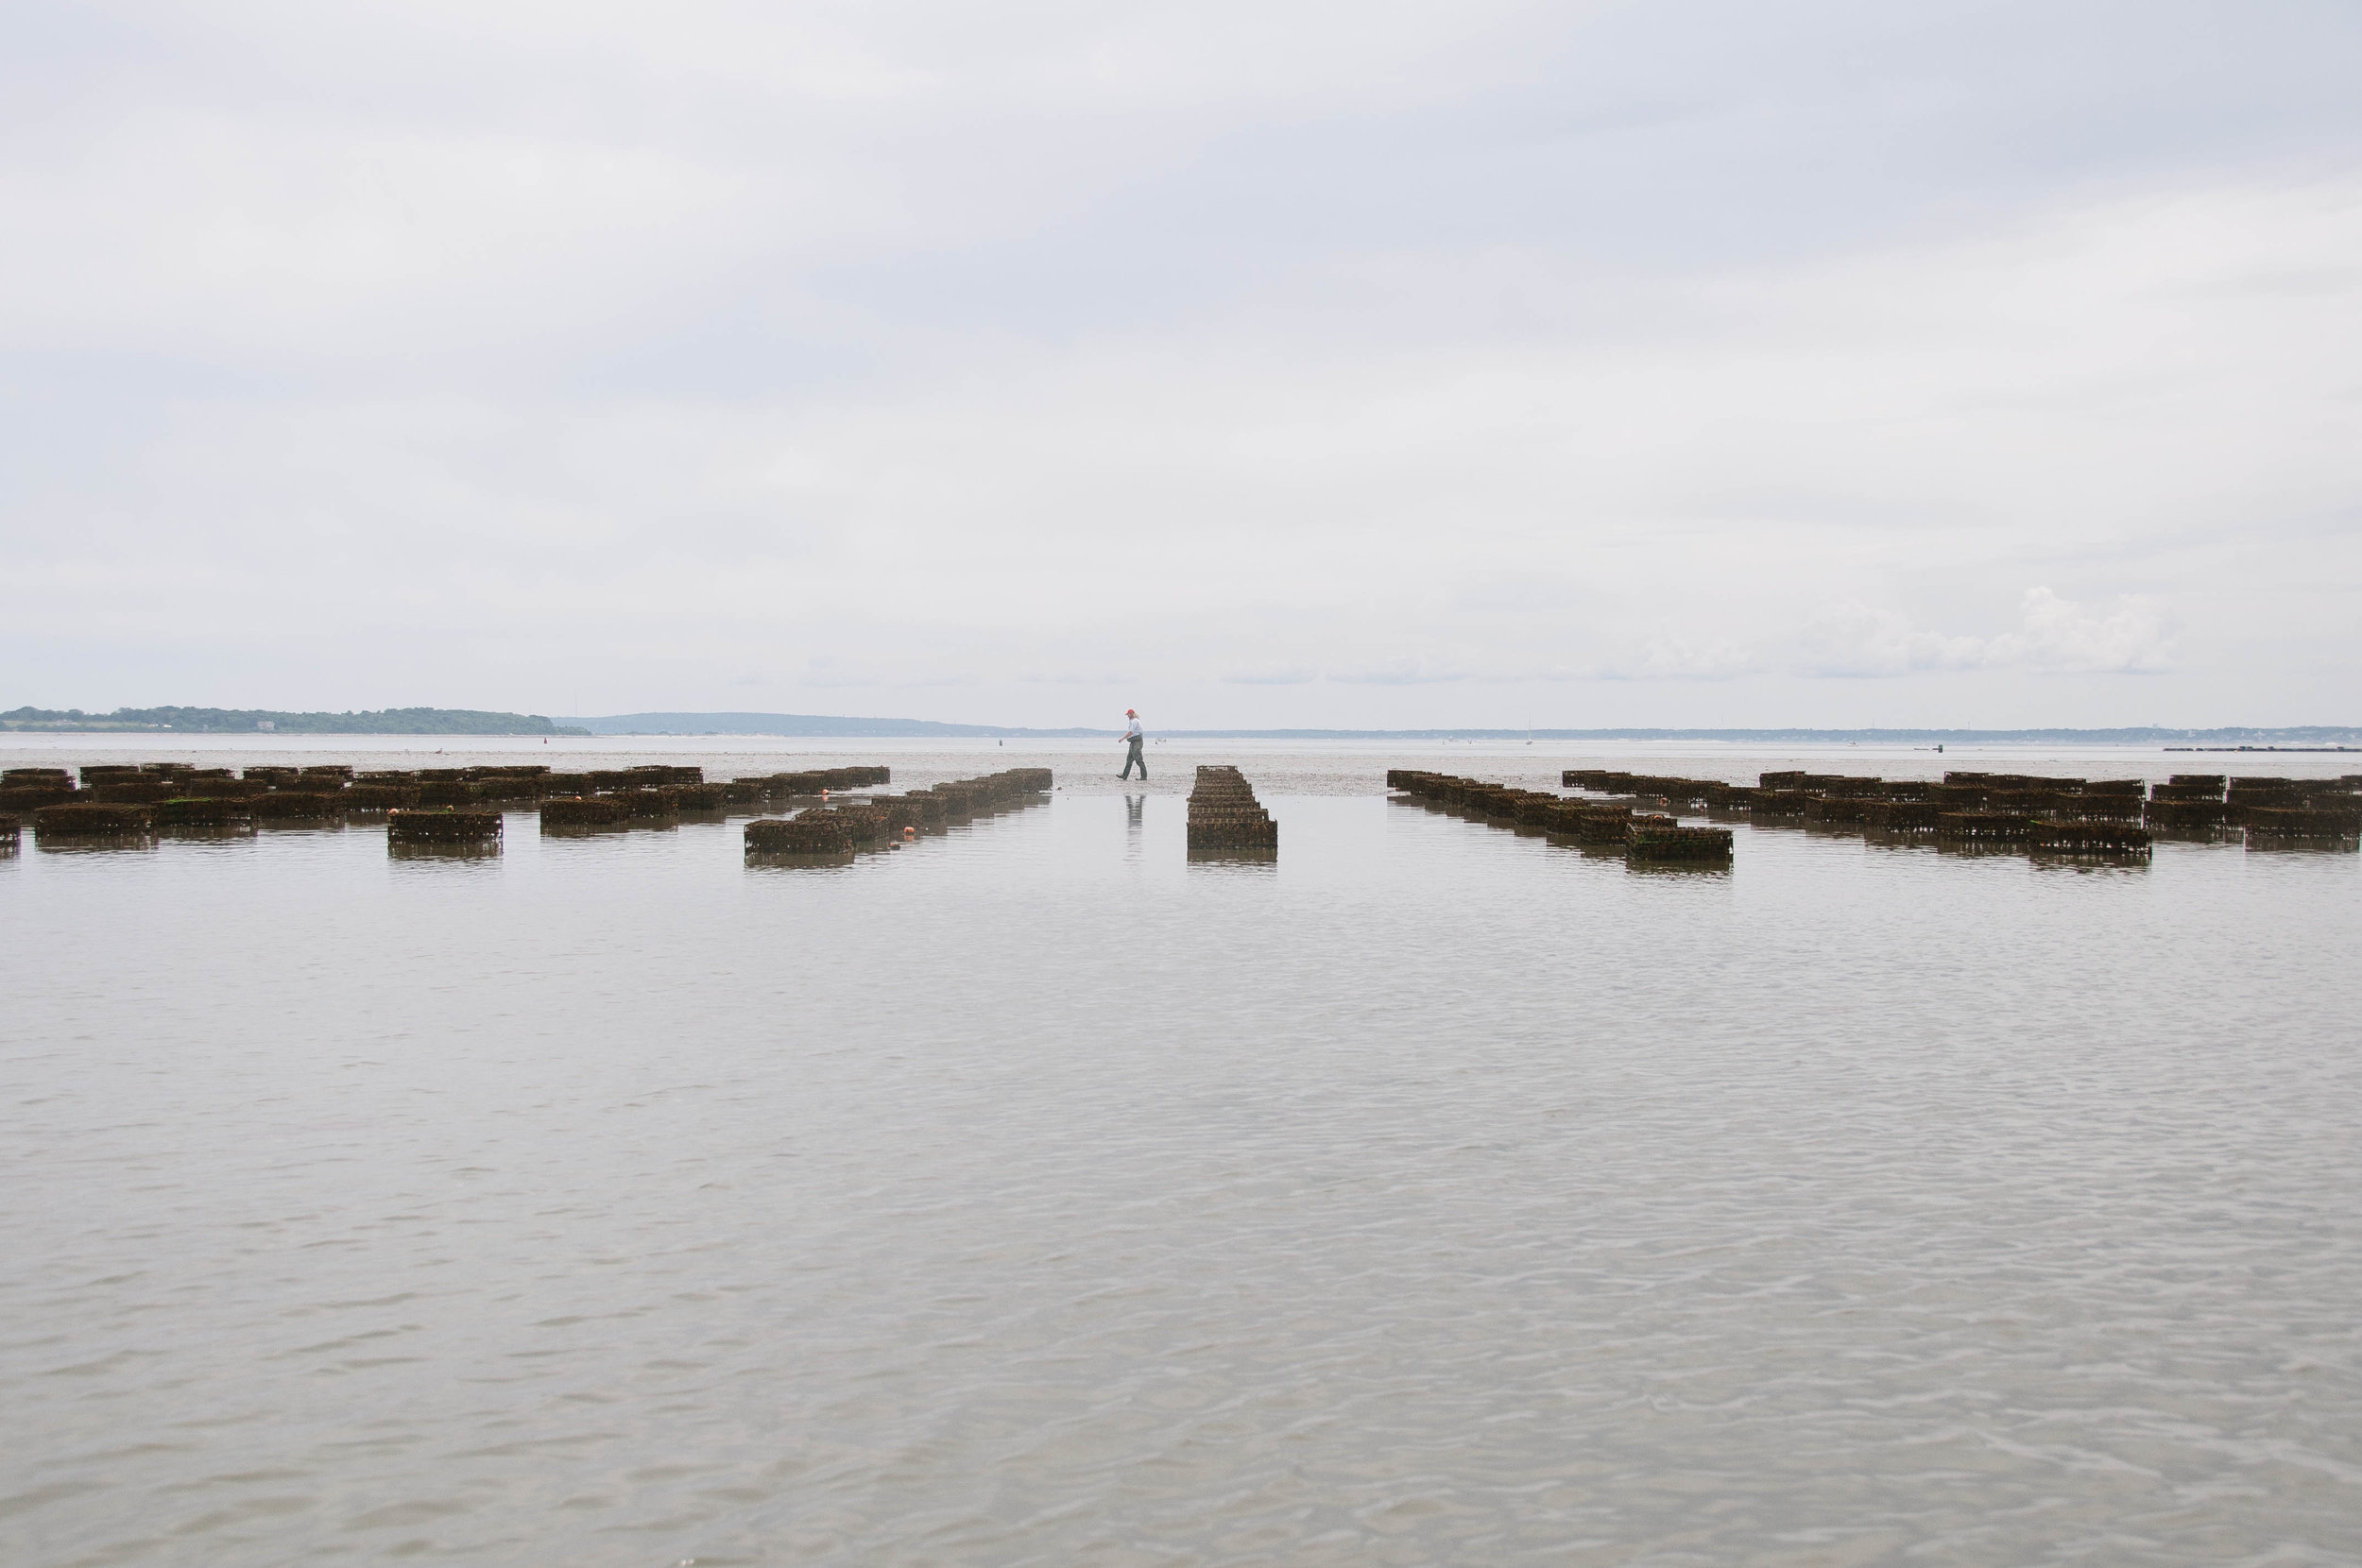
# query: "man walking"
[[1131, 740]]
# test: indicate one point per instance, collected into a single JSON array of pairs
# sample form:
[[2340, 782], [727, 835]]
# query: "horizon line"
[[487, 725]]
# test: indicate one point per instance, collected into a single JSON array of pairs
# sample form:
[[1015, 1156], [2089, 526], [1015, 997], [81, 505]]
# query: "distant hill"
[[810, 724], [225, 721]]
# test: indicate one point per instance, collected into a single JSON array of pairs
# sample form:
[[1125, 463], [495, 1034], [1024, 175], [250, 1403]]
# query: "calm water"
[[1030, 1196]]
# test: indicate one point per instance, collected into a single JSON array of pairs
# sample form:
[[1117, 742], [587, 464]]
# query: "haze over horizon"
[[1257, 367]]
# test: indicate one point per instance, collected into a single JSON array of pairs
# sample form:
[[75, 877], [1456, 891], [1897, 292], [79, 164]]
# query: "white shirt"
[[1133, 732]]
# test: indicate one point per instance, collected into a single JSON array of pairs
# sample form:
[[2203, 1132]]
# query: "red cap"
[[1131, 713]]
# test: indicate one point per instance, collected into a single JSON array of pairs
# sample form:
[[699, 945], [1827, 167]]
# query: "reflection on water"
[[1029, 1194], [801, 860], [1242, 858], [92, 844], [474, 850], [205, 832]]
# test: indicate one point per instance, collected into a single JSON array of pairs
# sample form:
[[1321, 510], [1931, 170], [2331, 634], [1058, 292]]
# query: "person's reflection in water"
[[1132, 808]]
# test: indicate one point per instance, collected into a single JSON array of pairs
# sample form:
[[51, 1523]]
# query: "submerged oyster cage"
[[1661, 839], [101, 804], [1983, 827], [441, 825], [2108, 840], [297, 805], [93, 820], [2029, 813], [812, 834], [423, 806], [1900, 818], [1225, 816], [205, 812], [836, 831], [1614, 826], [2317, 826], [561, 811]]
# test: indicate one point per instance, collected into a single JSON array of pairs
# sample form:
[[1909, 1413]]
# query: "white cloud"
[[1674, 659], [2053, 637], [1853, 638], [2060, 637]]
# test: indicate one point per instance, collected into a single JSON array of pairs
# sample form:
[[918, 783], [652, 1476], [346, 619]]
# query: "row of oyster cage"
[[2040, 811], [1225, 816], [341, 784], [1645, 838], [427, 805], [838, 830]]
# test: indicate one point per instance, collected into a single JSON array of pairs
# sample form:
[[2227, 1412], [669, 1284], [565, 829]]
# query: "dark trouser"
[[1133, 759]]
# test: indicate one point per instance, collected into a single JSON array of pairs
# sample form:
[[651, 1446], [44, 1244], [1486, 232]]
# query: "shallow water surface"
[[1030, 1195]]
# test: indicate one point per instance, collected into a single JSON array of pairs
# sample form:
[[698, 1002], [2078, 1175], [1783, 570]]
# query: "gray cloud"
[[1032, 363]]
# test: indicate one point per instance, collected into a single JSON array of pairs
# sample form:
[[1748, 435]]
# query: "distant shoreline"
[[476, 723], [265, 721], [818, 726]]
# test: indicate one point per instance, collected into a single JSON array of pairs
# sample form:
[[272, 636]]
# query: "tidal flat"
[[1031, 1193]]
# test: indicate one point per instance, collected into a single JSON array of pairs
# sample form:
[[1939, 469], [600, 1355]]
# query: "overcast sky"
[[1249, 364]]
